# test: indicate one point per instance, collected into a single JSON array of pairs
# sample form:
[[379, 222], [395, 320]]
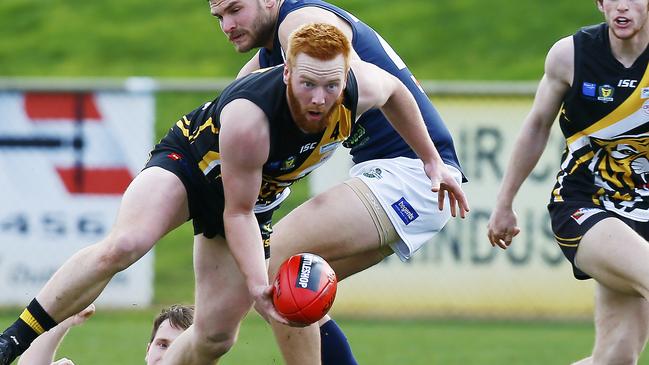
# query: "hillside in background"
[[438, 39]]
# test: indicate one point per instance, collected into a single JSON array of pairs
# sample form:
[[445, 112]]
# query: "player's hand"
[[83, 316], [80, 317], [502, 227], [443, 183], [263, 297]]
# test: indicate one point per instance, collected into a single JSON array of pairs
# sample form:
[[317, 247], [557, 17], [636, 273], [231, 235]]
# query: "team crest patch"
[[405, 211], [373, 173], [582, 214], [288, 164], [605, 93]]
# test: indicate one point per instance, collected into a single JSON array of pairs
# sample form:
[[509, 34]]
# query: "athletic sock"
[[335, 349], [33, 322]]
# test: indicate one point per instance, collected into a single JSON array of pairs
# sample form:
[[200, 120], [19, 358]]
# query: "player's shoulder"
[[561, 57], [312, 14], [560, 61]]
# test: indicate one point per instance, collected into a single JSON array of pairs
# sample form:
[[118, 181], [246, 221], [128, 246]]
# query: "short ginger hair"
[[320, 41]]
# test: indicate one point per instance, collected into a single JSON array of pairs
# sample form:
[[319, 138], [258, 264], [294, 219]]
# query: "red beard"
[[307, 126]]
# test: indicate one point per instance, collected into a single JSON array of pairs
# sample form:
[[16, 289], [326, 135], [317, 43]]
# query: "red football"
[[304, 288]]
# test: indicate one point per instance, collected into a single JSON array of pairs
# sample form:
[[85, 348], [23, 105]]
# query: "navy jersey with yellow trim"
[[293, 154], [373, 136], [605, 120]]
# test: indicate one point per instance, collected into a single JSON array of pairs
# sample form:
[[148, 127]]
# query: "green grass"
[[120, 338], [450, 40]]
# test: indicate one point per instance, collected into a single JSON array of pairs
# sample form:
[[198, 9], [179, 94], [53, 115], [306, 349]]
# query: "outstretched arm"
[[244, 144], [379, 89], [532, 139], [43, 349]]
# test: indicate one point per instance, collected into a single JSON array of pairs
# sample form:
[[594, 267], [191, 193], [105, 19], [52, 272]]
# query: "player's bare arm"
[[43, 349], [250, 66], [379, 89], [244, 147], [532, 139]]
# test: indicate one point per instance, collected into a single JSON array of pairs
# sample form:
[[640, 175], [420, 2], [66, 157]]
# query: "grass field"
[[449, 40], [120, 338]]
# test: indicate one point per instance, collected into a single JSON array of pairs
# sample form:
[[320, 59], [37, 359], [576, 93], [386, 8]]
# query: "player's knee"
[[214, 343], [119, 251]]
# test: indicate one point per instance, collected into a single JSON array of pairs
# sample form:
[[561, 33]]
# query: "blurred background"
[[66, 156]]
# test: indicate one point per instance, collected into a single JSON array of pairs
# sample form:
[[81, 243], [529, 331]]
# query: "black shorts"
[[571, 220], [206, 202]]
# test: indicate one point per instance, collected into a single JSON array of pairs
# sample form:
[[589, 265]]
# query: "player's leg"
[[222, 301], [154, 203], [351, 265], [358, 218], [618, 258], [335, 225]]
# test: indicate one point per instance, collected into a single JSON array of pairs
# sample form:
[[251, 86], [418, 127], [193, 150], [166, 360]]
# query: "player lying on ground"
[[167, 326]]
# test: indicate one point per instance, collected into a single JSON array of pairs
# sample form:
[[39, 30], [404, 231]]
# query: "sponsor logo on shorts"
[[373, 173], [405, 211], [582, 214], [309, 273]]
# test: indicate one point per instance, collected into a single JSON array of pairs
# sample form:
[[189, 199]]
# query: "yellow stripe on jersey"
[[210, 160], [207, 124], [628, 107], [183, 125], [568, 239], [344, 125], [29, 319], [581, 160], [568, 244]]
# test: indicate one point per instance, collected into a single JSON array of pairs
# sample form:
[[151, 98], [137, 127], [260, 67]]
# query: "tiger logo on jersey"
[[623, 164]]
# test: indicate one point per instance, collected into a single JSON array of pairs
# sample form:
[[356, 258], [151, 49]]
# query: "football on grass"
[[304, 288]]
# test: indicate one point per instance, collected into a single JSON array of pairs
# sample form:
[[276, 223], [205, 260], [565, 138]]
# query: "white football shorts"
[[403, 189]]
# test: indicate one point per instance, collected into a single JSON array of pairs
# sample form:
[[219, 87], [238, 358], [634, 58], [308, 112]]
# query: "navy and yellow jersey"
[[373, 137], [605, 120], [293, 154]]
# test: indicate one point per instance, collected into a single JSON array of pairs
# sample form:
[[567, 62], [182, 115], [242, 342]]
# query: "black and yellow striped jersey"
[[293, 154], [605, 120]]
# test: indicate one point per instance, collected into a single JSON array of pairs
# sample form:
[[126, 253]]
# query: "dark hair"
[[179, 316]]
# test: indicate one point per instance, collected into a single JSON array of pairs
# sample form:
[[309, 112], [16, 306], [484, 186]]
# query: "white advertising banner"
[[458, 272], [65, 160]]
